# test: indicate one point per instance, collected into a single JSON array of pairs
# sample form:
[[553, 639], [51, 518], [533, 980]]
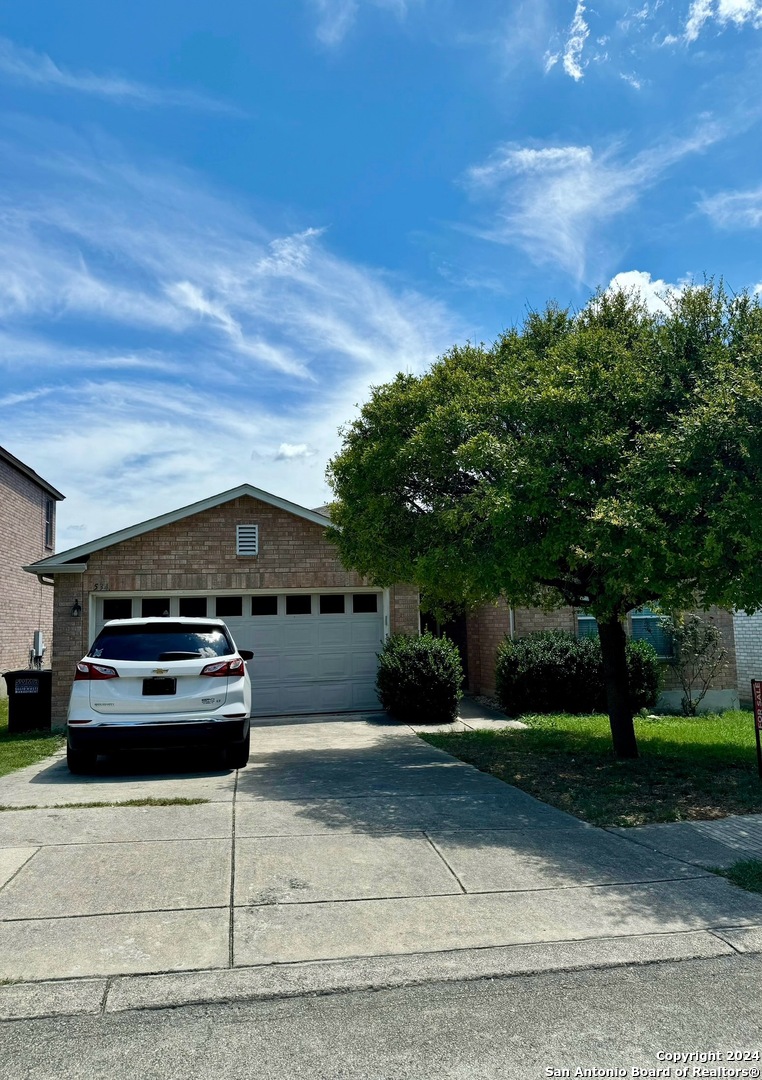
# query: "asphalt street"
[[516, 1028]]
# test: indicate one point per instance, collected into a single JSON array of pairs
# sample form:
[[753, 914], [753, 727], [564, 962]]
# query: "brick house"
[[27, 532], [265, 566], [261, 563]]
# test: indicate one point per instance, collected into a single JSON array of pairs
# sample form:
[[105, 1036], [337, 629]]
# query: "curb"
[[124, 993]]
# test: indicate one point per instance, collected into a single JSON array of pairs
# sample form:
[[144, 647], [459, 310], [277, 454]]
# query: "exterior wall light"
[[76, 609]]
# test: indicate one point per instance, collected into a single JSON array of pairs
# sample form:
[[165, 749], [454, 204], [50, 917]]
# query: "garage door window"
[[299, 605], [332, 604], [264, 605], [364, 603], [193, 606], [117, 608], [153, 607], [228, 606]]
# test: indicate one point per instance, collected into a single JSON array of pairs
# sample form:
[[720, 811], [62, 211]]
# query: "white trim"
[[57, 563], [65, 568], [386, 608]]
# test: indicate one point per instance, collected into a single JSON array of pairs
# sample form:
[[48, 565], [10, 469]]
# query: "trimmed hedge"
[[553, 672], [419, 678]]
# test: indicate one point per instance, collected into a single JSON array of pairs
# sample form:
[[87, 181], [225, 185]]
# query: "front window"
[[649, 625], [49, 523]]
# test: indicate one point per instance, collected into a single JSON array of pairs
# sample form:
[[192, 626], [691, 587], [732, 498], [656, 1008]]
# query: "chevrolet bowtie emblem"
[[160, 670]]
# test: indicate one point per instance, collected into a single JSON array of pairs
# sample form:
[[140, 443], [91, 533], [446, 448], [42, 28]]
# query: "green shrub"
[[552, 672], [645, 673], [419, 678]]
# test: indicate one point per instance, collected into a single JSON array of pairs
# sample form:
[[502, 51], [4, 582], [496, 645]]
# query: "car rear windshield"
[[152, 643]]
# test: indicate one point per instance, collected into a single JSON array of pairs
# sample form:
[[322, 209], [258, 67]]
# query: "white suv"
[[166, 682]]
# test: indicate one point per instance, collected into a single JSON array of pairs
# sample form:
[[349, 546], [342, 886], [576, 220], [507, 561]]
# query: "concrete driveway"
[[347, 854]]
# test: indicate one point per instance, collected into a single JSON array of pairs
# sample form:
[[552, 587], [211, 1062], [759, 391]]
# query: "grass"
[[690, 768], [149, 801], [18, 751], [747, 874]]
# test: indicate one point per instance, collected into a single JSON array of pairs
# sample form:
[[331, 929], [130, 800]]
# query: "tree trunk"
[[616, 679]]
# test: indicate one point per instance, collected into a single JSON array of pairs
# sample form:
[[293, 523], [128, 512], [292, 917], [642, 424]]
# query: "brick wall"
[[405, 613], [25, 604], [488, 625], [199, 554], [728, 679], [748, 636]]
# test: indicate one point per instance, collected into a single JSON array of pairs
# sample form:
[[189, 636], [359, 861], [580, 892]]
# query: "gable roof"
[[75, 559], [6, 455]]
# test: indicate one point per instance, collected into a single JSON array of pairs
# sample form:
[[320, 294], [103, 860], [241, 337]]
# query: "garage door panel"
[[367, 631], [335, 665], [334, 697], [298, 666], [364, 665], [364, 696], [335, 632], [299, 633], [258, 633]]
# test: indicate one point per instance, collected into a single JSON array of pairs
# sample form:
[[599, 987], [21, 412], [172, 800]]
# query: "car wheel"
[[80, 761], [237, 754]]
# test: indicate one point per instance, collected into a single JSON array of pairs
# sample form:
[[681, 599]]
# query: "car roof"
[[163, 619]]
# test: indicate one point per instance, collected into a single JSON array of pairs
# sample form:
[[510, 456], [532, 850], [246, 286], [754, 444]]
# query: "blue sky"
[[221, 223]]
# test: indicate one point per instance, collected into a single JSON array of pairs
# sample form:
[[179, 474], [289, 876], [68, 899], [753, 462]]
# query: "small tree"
[[700, 655]]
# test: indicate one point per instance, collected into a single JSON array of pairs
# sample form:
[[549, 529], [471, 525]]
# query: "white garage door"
[[315, 654]]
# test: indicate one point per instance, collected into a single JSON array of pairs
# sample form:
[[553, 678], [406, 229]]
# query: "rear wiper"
[[180, 655]]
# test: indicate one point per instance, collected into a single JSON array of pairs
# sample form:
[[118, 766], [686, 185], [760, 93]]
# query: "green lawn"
[[17, 751], [689, 768]]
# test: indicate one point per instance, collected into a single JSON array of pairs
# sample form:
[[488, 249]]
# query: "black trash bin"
[[29, 700]]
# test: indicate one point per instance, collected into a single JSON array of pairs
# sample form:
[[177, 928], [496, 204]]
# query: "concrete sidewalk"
[[348, 854]]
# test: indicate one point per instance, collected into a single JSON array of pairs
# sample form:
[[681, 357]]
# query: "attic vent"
[[247, 539]]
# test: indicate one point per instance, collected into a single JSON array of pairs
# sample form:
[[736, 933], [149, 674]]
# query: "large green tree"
[[603, 459]]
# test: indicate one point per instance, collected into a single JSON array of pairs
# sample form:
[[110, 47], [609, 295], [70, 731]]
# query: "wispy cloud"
[[735, 209], [335, 18], [37, 69], [551, 201], [225, 352], [737, 12], [575, 43]]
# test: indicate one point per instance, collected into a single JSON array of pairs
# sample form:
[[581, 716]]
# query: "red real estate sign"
[[756, 697]]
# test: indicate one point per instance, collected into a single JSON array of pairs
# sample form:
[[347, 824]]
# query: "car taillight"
[[94, 671], [225, 668]]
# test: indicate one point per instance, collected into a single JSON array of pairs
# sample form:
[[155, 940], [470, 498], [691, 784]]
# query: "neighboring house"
[[27, 532], [747, 630], [261, 563]]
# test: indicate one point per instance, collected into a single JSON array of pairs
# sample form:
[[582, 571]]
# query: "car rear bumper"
[[105, 737]]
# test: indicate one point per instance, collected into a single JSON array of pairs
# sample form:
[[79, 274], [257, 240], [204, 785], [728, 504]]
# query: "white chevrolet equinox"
[[168, 682]]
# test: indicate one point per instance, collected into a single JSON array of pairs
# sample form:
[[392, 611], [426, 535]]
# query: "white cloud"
[[738, 12], [37, 69], [337, 17], [554, 201], [651, 290], [575, 43], [289, 451], [735, 209]]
